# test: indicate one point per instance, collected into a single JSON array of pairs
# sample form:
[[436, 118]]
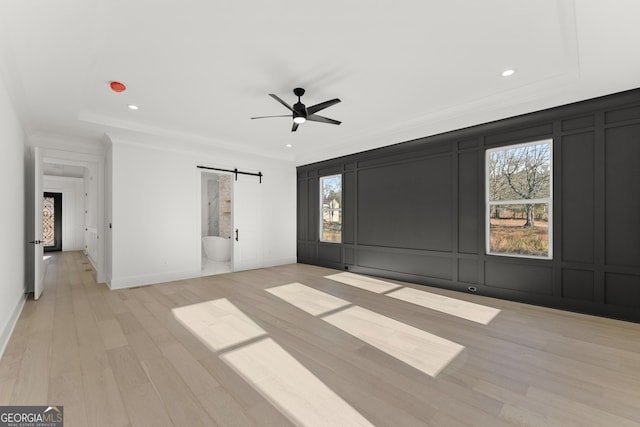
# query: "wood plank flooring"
[[244, 349]]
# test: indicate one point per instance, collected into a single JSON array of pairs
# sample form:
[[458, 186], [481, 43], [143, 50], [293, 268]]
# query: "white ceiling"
[[199, 69]]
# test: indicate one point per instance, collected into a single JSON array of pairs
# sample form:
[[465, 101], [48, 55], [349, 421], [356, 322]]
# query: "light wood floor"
[[118, 358]]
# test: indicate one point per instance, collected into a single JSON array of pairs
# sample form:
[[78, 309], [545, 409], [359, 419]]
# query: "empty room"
[[319, 214]]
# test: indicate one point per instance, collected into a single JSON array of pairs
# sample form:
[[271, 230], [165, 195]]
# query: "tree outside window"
[[331, 208], [519, 200]]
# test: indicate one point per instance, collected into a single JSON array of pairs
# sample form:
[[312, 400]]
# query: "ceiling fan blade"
[[295, 127], [267, 117], [321, 106], [281, 101], [321, 119]]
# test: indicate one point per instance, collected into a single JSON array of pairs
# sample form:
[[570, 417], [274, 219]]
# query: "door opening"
[[216, 224], [52, 221]]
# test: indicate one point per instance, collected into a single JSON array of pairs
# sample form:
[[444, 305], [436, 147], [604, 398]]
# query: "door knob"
[[237, 235]]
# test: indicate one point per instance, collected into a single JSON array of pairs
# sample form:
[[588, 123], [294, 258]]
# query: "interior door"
[[36, 265], [247, 221]]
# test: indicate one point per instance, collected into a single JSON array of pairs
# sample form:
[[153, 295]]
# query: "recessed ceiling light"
[[509, 72], [132, 107], [288, 145]]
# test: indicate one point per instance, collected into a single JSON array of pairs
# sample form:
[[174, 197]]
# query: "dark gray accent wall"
[[415, 210]]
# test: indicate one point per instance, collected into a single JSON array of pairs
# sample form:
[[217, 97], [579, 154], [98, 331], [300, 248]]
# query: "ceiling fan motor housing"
[[299, 110]]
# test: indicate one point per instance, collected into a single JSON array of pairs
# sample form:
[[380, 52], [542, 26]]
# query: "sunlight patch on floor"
[[266, 366], [424, 351], [308, 299], [363, 282], [466, 310], [290, 387], [218, 324]]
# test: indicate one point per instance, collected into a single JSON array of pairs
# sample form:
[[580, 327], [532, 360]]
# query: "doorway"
[[216, 224], [51, 161], [52, 221]]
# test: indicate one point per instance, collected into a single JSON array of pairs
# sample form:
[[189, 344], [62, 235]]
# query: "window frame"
[[547, 200], [322, 208]]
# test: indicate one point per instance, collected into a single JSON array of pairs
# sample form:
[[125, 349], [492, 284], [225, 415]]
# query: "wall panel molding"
[[415, 210]]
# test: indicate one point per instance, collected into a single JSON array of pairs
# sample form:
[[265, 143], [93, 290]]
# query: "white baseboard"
[[281, 261], [7, 330], [150, 279], [93, 263]]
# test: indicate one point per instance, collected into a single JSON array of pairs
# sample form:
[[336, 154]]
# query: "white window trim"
[[322, 210], [488, 203]]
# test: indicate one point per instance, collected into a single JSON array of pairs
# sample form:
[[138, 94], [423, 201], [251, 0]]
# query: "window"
[[331, 208], [519, 200]]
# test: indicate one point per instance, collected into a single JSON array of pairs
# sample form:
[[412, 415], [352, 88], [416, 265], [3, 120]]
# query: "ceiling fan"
[[300, 113]]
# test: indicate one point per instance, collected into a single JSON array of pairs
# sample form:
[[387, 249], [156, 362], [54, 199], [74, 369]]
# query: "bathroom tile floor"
[[210, 267]]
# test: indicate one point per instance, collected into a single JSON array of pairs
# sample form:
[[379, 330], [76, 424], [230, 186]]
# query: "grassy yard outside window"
[[519, 200]]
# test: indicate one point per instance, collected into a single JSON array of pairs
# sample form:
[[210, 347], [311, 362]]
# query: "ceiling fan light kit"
[[300, 113]]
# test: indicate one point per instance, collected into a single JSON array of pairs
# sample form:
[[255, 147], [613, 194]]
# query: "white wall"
[[72, 209], [156, 211], [91, 229], [90, 201], [12, 217]]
